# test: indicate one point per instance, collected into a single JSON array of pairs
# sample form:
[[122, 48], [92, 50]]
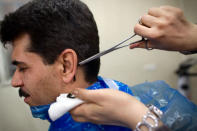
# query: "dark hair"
[[53, 26]]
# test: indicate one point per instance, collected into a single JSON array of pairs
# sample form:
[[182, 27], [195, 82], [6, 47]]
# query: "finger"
[[77, 111], [95, 120], [83, 94], [88, 95], [87, 111], [135, 45], [156, 12], [143, 31], [143, 45], [79, 119], [149, 20], [170, 8], [81, 110]]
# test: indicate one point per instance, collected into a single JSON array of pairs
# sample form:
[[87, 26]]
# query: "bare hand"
[[108, 106], [167, 29]]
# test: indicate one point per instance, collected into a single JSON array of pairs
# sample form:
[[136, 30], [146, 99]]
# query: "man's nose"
[[16, 80]]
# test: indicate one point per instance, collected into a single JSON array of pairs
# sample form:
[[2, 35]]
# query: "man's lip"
[[26, 99]]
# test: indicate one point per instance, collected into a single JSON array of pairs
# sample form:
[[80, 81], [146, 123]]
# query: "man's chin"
[[27, 100]]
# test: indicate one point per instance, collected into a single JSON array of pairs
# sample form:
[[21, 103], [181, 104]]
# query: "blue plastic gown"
[[179, 113]]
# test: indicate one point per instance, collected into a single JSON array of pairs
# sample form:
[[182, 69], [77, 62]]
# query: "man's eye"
[[22, 69]]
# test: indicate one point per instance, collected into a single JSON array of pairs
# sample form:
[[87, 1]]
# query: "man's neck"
[[80, 81]]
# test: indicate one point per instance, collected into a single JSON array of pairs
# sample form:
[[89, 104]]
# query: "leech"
[[70, 95]]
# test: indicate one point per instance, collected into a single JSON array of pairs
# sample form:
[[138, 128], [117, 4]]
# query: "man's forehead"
[[20, 45], [22, 40]]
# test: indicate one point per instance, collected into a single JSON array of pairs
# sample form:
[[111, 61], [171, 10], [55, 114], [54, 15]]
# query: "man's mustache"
[[22, 93]]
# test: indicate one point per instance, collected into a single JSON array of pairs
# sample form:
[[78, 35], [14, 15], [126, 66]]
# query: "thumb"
[[84, 94]]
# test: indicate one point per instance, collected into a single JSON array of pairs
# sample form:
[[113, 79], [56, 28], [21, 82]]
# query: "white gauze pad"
[[63, 104]]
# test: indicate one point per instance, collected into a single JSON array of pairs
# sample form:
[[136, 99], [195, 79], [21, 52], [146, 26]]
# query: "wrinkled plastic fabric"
[[40, 111], [180, 114]]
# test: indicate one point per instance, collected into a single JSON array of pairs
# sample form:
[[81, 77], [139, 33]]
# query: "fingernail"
[[75, 92]]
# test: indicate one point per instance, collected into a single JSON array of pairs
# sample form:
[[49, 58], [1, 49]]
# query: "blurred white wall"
[[15, 115], [115, 20]]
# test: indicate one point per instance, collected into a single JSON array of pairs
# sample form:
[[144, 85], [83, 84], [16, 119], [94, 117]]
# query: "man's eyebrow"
[[15, 62]]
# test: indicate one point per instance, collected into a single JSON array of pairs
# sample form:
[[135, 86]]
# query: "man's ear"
[[68, 65]]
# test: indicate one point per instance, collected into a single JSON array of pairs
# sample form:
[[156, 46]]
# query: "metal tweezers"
[[110, 50]]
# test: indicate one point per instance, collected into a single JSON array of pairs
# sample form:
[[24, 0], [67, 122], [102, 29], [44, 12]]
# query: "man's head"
[[50, 38]]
